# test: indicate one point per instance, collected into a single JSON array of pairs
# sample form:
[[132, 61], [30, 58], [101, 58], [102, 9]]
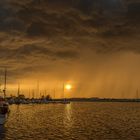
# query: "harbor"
[[69, 69], [47, 117]]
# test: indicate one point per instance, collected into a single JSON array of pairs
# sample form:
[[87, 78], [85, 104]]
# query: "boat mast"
[[33, 94], [54, 93], [5, 82], [38, 89], [18, 90], [29, 94], [0, 85], [137, 94], [63, 91]]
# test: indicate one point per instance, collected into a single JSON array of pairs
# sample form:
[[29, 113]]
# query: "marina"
[[69, 69]]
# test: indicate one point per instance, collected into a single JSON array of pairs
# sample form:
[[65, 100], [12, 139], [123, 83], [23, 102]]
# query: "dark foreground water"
[[76, 121]]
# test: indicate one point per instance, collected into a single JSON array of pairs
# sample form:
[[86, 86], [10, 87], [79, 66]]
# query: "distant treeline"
[[100, 100]]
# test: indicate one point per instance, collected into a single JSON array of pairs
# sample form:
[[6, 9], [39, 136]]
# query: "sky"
[[92, 44]]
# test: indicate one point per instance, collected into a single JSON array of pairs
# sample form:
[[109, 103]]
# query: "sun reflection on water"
[[68, 122]]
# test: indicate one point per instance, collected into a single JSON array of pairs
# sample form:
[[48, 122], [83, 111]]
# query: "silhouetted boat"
[[4, 110], [18, 101], [4, 105]]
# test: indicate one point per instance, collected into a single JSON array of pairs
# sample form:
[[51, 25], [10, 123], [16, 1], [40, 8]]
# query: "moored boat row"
[[37, 101]]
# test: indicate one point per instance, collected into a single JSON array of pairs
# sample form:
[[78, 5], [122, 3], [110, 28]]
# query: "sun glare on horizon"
[[68, 87]]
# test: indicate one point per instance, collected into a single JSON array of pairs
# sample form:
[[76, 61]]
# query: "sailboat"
[[18, 101], [4, 106]]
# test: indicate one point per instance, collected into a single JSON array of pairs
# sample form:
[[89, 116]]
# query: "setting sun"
[[68, 86]]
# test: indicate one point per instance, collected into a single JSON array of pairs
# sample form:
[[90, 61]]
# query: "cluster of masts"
[[46, 92], [40, 95], [43, 99], [37, 93]]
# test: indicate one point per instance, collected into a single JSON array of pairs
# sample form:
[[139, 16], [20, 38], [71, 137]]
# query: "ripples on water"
[[76, 121]]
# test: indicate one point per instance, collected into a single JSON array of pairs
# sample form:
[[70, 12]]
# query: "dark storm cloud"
[[134, 9], [58, 29], [32, 58], [69, 17], [9, 20], [27, 53]]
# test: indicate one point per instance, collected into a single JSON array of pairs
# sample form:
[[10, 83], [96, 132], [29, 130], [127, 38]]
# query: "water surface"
[[75, 121]]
